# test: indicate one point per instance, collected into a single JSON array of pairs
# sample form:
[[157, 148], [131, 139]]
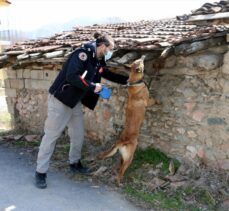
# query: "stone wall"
[[191, 121], [193, 118], [26, 92]]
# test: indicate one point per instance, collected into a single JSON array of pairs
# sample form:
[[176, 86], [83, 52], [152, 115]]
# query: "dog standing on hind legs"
[[138, 99]]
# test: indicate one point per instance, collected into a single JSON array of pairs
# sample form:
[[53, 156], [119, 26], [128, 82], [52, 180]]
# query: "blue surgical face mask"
[[108, 55]]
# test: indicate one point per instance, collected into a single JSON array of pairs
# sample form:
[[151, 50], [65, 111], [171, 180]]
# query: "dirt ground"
[[148, 184]]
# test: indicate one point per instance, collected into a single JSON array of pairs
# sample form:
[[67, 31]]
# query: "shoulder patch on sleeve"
[[82, 56]]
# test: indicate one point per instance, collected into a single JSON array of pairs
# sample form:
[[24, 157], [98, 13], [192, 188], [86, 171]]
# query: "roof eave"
[[223, 15]]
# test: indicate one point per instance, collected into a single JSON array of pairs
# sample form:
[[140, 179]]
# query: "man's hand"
[[98, 87]]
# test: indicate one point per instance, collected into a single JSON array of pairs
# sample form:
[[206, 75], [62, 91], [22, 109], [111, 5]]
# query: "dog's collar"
[[136, 83]]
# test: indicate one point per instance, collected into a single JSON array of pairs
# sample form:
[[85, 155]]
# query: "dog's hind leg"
[[127, 153]]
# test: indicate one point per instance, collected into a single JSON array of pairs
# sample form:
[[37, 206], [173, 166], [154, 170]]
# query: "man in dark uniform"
[[77, 83]]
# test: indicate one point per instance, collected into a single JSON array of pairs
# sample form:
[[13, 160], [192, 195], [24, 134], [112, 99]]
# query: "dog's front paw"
[[153, 101]]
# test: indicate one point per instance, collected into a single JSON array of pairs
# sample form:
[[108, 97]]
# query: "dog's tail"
[[108, 153], [112, 151], [115, 148]]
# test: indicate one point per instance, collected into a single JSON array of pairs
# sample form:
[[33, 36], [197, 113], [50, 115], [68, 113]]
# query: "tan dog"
[[138, 99]]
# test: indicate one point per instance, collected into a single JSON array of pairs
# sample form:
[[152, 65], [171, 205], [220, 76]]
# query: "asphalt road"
[[17, 190]]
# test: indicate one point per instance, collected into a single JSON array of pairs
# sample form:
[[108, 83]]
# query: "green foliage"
[[178, 199], [19, 143], [62, 148], [152, 156], [12, 132], [161, 200], [175, 200], [24, 143], [205, 197], [188, 190]]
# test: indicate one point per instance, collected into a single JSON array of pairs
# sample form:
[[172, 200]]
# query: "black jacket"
[[70, 88]]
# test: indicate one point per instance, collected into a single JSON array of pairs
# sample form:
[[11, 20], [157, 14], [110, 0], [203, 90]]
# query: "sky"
[[31, 14]]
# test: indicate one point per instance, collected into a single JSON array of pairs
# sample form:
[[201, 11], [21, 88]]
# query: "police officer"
[[76, 84]]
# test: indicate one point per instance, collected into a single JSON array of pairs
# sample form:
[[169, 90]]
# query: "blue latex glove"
[[105, 93]]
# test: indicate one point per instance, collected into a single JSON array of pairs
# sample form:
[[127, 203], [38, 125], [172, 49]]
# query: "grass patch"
[[186, 198], [24, 143], [66, 147], [152, 156], [9, 132], [62, 147], [2, 130], [205, 197], [161, 200], [188, 190]]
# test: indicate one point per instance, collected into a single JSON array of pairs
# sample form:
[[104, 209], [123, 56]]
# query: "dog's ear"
[[128, 65], [143, 57]]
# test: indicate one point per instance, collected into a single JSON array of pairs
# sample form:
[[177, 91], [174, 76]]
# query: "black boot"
[[40, 180], [79, 168]]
